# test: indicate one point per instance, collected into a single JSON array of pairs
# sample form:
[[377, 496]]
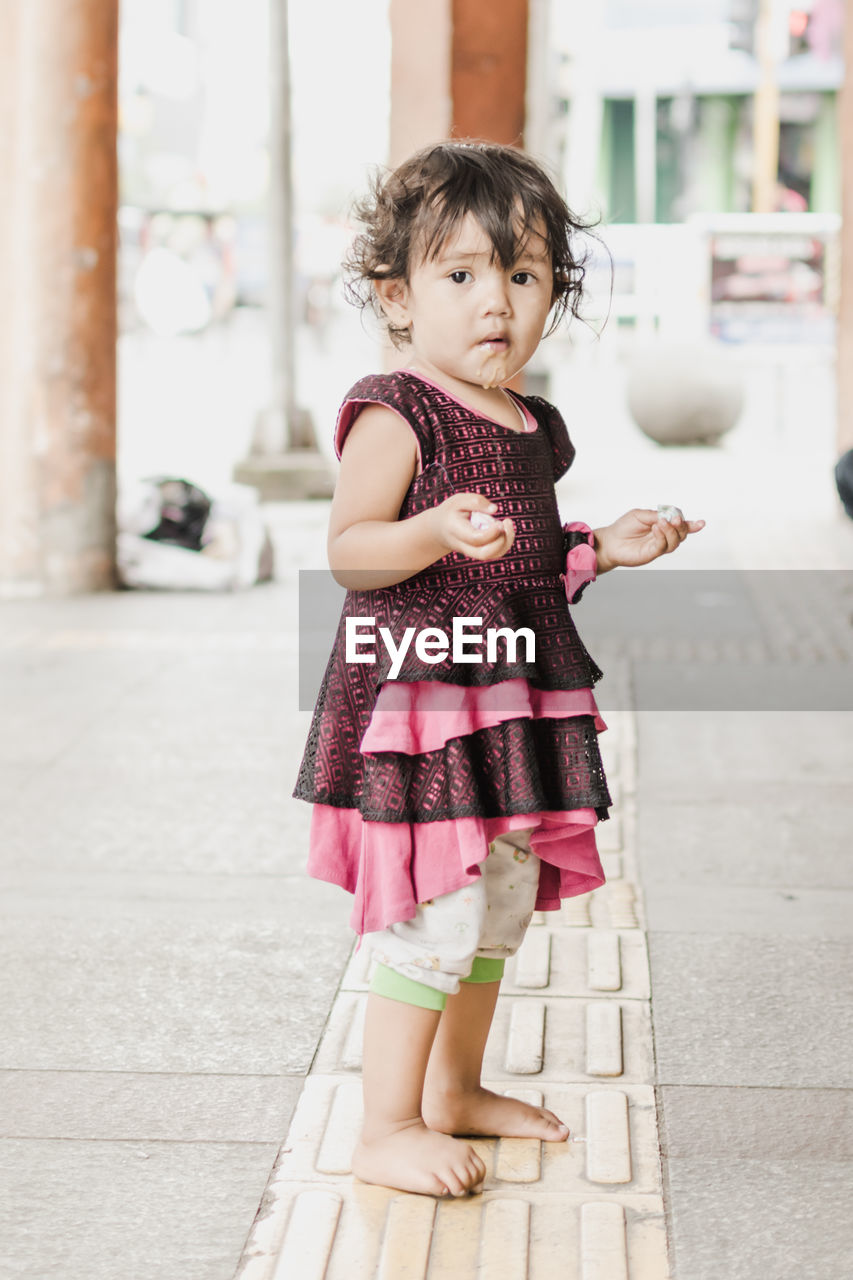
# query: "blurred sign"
[[774, 280]]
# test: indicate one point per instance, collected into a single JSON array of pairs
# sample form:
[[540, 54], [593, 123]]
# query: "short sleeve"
[[394, 392], [551, 422]]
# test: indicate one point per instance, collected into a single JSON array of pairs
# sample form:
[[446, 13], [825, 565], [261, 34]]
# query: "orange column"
[[489, 69], [488, 75], [58, 330]]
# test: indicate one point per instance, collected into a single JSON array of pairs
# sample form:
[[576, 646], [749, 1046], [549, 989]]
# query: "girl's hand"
[[370, 547], [639, 537], [452, 527]]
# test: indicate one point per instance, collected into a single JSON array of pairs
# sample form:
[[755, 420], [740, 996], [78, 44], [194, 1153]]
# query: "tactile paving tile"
[[612, 1147], [580, 961], [615, 905], [549, 1039], [354, 1230]]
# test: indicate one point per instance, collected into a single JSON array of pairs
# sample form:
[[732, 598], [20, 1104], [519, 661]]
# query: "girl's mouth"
[[493, 370]]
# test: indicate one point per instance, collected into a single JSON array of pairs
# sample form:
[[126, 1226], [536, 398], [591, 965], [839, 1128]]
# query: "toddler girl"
[[453, 761]]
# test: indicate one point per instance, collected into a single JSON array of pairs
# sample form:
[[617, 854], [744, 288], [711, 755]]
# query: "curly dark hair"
[[410, 213]]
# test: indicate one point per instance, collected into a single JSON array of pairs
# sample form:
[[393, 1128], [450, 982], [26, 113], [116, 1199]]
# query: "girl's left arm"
[[639, 537]]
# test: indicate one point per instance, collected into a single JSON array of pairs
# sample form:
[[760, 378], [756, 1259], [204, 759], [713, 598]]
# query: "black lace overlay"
[[521, 766]]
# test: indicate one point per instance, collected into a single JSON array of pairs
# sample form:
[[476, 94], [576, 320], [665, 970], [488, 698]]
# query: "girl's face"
[[470, 319]]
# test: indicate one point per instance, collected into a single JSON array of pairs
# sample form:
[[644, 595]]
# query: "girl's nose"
[[496, 297]]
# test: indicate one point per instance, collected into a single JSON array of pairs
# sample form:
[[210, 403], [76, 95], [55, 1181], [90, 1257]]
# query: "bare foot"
[[483, 1113], [415, 1158]]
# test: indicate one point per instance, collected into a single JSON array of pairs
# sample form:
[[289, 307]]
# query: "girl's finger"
[[500, 544], [478, 543], [508, 530], [472, 502], [477, 531], [478, 536], [670, 535]]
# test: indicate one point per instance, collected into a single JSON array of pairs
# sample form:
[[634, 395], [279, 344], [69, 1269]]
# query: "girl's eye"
[[523, 277], [460, 277]]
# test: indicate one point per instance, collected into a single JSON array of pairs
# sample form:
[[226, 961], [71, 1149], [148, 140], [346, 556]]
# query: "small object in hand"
[[480, 520], [670, 514]]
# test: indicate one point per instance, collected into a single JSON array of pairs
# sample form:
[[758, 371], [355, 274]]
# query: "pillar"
[[584, 130], [58, 240], [488, 69], [826, 179], [716, 144], [765, 107], [283, 463], [645, 154], [421, 41]]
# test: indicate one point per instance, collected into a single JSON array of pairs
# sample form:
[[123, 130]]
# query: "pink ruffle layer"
[[390, 867]]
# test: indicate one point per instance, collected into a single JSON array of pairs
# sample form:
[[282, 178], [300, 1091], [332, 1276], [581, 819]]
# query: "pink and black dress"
[[412, 777]]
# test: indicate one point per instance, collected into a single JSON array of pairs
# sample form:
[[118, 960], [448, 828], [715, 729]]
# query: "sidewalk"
[[169, 972], [746, 867], [167, 968]]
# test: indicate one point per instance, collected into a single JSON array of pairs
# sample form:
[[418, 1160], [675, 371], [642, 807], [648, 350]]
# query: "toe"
[[436, 1185], [556, 1128], [465, 1175]]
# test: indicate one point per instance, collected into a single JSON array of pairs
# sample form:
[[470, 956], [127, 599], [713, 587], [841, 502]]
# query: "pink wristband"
[[581, 562]]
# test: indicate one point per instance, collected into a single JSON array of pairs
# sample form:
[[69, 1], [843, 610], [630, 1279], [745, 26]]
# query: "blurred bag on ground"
[[172, 535], [844, 481]]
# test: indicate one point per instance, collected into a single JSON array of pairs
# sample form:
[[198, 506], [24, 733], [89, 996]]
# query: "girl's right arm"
[[368, 546]]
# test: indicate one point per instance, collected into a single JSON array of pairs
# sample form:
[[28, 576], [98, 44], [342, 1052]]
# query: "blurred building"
[[650, 104]]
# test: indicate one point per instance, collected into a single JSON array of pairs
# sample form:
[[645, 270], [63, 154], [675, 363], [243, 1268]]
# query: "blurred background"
[[196, 160]]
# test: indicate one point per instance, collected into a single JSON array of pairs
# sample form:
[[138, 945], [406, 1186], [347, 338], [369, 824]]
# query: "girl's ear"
[[393, 295]]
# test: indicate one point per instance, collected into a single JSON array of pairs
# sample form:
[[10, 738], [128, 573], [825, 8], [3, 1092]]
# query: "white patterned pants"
[[486, 919]]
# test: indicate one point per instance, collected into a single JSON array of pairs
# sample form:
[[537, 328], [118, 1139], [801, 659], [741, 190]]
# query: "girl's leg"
[[454, 1099], [396, 1148]]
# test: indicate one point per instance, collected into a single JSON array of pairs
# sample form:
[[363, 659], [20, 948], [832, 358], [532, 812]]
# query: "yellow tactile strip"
[[572, 1031], [338, 1232], [613, 1138]]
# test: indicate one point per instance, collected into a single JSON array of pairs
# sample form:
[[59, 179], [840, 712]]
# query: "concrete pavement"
[[166, 967], [746, 863]]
